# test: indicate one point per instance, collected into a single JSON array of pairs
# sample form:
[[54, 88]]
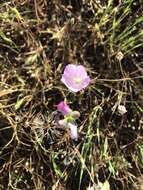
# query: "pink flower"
[[75, 77], [63, 108], [69, 119]]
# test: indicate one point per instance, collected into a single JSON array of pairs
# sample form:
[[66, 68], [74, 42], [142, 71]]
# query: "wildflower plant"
[[69, 119], [75, 78]]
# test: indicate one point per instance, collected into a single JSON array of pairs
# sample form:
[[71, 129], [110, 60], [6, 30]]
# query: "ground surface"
[[38, 38]]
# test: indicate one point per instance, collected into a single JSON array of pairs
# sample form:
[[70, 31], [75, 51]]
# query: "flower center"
[[77, 80]]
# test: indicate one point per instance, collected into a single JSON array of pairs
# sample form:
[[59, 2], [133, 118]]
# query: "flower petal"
[[63, 123], [70, 69], [73, 130], [81, 71], [63, 108], [86, 82], [70, 85]]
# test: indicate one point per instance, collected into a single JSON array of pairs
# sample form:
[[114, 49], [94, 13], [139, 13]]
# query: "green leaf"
[[56, 168], [19, 103]]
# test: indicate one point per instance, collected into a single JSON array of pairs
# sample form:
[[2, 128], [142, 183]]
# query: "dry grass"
[[38, 38]]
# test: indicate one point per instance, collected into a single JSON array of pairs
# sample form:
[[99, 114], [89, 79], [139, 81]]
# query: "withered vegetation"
[[38, 38]]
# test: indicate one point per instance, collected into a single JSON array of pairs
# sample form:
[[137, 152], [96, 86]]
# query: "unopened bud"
[[122, 109], [75, 114]]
